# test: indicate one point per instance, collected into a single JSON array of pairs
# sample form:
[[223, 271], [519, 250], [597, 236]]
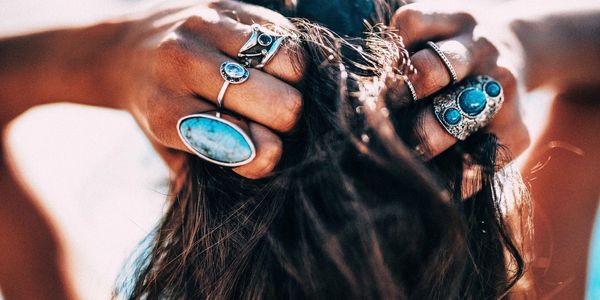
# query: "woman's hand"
[[474, 46], [187, 81]]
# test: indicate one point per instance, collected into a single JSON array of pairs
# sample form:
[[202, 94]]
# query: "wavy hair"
[[351, 212]]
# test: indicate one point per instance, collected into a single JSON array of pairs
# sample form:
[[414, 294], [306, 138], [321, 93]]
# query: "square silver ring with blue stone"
[[468, 106]]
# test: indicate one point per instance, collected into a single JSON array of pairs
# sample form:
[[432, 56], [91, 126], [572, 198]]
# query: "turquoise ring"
[[466, 107], [213, 138]]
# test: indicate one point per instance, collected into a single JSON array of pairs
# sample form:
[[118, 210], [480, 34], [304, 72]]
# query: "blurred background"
[[97, 175]]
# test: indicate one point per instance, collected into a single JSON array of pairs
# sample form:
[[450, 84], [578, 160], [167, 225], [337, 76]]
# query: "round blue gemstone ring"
[[466, 107]]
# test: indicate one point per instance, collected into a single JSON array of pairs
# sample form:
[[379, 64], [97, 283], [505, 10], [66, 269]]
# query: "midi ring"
[[445, 60], [213, 138], [465, 108], [260, 47]]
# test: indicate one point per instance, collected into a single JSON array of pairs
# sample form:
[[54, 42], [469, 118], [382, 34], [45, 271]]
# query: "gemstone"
[[472, 101], [235, 70], [492, 88], [216, 140], [452, 116], [265, 40]]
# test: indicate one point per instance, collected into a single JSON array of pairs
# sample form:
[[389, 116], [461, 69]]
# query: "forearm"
[[561, 43], [91, 65], [34, 71]]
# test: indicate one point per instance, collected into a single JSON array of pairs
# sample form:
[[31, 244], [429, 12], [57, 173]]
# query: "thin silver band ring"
[[411, 89], [220, 98], [445, 60]]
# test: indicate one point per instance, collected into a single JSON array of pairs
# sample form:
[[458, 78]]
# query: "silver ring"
[[260, 48], [232, 73], [465, 108], [445, 60], [411, 88]]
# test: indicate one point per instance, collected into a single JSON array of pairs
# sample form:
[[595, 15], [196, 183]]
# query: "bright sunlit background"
[[93, 169]]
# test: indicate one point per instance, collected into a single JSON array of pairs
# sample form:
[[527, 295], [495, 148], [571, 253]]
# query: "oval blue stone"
[[472, 101], [215, 139], [492, 88], [234, 70], [452, 116]]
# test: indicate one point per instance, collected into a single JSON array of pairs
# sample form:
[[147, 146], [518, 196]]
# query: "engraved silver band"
[[445, 60]]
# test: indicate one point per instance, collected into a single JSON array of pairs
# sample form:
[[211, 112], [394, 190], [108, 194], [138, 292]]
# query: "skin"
[[177, 76]]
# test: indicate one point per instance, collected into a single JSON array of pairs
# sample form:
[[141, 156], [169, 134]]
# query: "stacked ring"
[[445, 60], [260, 47], [464, 108], [411, 88]]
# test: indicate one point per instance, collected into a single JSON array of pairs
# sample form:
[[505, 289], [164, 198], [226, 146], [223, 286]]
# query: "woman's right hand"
[[187, 81]]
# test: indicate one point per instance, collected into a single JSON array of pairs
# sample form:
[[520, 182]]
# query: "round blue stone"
[[235, 70], [265, 40], [472, 101], [492, 88], [452, 116]]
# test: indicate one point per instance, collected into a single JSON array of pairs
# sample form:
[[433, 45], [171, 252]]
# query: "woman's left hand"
[[475, 44]]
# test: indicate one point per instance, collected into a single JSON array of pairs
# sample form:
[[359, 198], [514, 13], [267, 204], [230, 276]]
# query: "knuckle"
[[172, 53], [195, 24], [486, 48], [407, 16], [466, 18], [268, 159], [408, 21], [429, 74], [507, 79], [290, 111]]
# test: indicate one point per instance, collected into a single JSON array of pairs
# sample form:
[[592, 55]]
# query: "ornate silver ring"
[[466, 107], [260, 47]]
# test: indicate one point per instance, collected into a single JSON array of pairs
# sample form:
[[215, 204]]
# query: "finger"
[[162, 126], [268, 152], [463, 54], [419, 22], [250, 14], [508, 125], [229, 36], [262, 98]]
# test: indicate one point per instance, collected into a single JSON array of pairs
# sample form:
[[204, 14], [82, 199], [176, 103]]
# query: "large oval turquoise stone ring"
[[466, 107], [216, 140]]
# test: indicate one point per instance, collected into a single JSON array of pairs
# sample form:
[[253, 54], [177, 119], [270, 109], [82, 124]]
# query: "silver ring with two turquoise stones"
[[213, 138], [464, 108]]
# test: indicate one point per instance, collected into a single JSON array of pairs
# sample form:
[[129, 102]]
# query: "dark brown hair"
[[352, 212]]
